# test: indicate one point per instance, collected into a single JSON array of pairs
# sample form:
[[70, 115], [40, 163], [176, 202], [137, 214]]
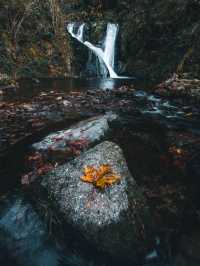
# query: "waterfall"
[[110, 41], [106, 55]]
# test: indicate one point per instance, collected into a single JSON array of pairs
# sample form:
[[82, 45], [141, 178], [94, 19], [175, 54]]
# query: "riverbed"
[[160, 139]]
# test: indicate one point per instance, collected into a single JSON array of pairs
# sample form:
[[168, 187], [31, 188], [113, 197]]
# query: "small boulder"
[[115, 220]]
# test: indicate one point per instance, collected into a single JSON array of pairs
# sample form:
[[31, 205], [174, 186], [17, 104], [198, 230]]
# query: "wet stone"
[[115, 220], [72, 141]]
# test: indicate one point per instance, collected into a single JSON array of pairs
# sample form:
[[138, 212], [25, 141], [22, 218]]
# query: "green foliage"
[[35, 68]]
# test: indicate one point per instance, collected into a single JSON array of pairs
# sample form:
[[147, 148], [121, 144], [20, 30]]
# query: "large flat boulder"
[[115, 220], [89, 130], [69, 143]]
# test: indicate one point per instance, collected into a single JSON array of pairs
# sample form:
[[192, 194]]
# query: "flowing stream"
[[142, 134]]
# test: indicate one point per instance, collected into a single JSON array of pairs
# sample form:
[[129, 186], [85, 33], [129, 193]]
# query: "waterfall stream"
[[106, 55]]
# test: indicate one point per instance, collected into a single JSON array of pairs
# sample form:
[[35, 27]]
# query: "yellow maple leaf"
[[90, 174], [104, 169], [107, 180], [100, 177]]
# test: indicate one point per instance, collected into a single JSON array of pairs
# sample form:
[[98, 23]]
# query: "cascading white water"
[[110, 41], [77, 35], [105, 55]]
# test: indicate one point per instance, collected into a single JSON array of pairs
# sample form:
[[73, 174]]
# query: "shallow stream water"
[[144, 135]]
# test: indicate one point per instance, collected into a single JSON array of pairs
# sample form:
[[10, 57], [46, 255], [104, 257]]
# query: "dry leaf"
[[100, 177], [90, 173]]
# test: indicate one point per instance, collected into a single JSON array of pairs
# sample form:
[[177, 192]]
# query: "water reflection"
[[29, 87]]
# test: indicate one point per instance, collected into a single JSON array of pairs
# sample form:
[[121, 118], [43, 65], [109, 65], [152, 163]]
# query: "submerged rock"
[[115, 220], [24, 237], [25, 241]]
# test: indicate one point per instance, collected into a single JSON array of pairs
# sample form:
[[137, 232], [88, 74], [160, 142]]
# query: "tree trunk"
[[62, 38]]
